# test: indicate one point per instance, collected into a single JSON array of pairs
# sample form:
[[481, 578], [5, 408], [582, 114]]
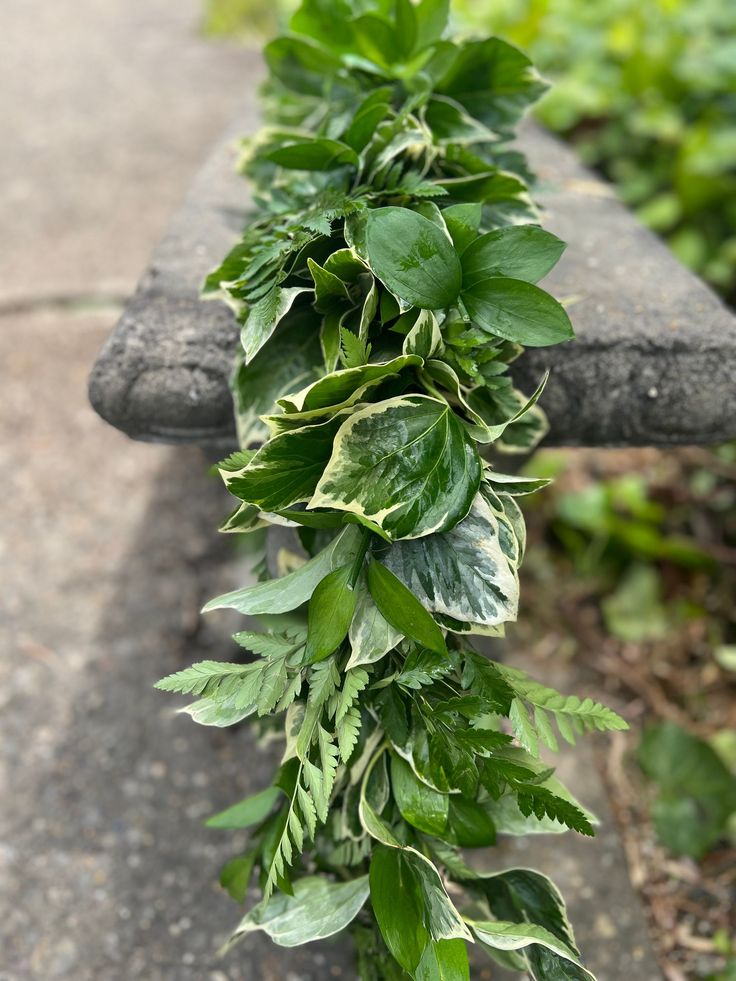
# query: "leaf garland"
[[383, 288]]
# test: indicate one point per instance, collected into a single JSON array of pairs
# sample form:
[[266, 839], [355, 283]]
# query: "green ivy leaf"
[[413, 257]]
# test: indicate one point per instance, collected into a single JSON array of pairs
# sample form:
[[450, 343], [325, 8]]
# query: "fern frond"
[[205, 677]]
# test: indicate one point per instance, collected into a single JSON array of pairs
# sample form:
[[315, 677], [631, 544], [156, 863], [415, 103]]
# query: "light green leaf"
[[413, 258], [248, 812], [264, 317], [462, 573], [331, 611], [518, 312], [289, 592], [524, 252], [424, 338], [319, 908], [217, 712], [402, 609], [405, 464]]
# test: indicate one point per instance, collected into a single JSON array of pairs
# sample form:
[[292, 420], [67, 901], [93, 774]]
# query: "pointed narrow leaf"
[[402, 609], [264, 317], [248, 812], [331, 611]]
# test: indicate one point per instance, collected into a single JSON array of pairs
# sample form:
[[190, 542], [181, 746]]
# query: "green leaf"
[[236, 875], [470, 824], [367, 117], [398, 905], [354, 352], [444, 961], [265, 316], [371, 635], [432, 17], [502, 935], [343, 387], [287, 469], [462, 573], [331, 611], [463, 223], [289, 592], [402, 609], [314, 154], [411, 904], [248, 812], [524, 252], [413, 258], [420, 805], [300, 64], [518, 312], [203, 678], [319, 908], [424, 338], [405, 465], [257, 385]]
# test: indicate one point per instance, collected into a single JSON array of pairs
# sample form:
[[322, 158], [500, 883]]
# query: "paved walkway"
[[107, 547]]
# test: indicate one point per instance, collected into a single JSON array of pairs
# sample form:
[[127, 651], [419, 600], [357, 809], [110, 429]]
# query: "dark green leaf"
[[311, 154], [398, 905], [413, 258], [402, 610], [524, 252], [517, 311], [236, 875], [463, 223], [444, 961], [422, 807], [469, 824], [331, 611]]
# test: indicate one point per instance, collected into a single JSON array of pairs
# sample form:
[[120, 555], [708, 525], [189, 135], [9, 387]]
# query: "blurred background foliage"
[[631, 573]]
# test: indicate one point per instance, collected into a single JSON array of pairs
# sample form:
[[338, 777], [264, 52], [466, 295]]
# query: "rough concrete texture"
[[107, 548], [654, 362]]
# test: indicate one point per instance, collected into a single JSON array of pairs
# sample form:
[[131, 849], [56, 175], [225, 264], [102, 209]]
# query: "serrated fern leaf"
[[572, 715], [205, 677], [323, 681], [270, 645], [348, 730], [541, 802], [353, 351], [356, 680], [274, 682]]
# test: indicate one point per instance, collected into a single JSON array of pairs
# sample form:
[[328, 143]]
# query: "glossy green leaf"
[[331, 611], [405, 464], [413, 257], [402, 610], [337, 388], [398, 905], [463, 224], [420, 805], [371, 635], [444, 961], [470, 824], [517, 311], [524, 252]]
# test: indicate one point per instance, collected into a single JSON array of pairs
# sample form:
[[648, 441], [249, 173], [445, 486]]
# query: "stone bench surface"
[[654, 362]]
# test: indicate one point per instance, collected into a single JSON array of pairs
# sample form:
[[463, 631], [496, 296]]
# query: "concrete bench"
[[654, 362]]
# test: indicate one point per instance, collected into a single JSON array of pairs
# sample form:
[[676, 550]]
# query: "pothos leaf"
[[405, 464]]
